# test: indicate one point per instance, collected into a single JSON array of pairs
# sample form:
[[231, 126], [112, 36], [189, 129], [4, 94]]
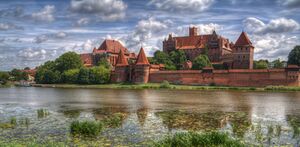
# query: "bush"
[[83, 76], [192, 139], [165, 84], [99, 75], [70, 76], [200, 62], [4, 76], [86, 128]]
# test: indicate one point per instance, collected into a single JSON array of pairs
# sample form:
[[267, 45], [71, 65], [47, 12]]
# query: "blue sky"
[[34, 31]]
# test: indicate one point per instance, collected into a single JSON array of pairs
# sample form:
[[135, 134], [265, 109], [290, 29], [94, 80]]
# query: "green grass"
[[192, 139], [41, 113], [113, 121], [86, 128], [166, 85]]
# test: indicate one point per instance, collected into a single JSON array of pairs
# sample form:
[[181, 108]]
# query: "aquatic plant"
[[13, 121], [165, 84], [193, 139], [41, 113], [113, 121], [86, 128]]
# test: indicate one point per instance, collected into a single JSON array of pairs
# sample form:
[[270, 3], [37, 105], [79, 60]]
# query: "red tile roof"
[[121, 61], [142, 58], [192, 42], [112, 46], [243, 40]]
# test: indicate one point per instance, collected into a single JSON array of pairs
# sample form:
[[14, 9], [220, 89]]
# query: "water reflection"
[[143, 115]]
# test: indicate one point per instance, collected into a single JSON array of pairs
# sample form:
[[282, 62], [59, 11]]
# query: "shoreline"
[[170, 87]]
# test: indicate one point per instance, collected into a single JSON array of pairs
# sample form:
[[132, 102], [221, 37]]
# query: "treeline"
[[13, 75], [176, 59], [68, 68]]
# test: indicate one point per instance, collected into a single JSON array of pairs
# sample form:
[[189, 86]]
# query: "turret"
[[121, 72], [243, 53], [141, 68], [193, 31]]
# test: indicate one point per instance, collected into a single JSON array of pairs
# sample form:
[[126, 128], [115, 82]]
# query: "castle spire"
[[142, 59], [243, 40], [121, 61]]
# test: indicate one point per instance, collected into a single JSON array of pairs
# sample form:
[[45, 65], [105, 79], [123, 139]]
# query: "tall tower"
[[243, 53], [141, 68], [193, 31], [121, 72]]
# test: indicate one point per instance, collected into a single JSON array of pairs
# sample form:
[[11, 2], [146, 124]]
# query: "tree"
[[200, 62], [178, 57], [294, 56], [99, 75], [261, 64], [4, 76], [18, 75], [278, 64], [69, 60], [40, 73], [51, 77], [70, 76], [83, 76]]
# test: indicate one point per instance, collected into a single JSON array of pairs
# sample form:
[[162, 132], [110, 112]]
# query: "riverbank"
[[167, 86]]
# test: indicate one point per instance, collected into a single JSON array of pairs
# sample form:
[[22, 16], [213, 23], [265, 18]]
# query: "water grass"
[[114, 121], [86, 128], [41, 113], [192, 139]]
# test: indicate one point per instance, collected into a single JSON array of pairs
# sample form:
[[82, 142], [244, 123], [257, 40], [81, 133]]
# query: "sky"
[[35, 31]]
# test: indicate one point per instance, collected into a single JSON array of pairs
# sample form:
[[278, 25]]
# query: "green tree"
[[99, 75], [70, 76], [163, 58], [4, 76], [83, 76], [69, 60], [294, 56], [200, 62], [51, 77], [261, 64], [178, 57], [278, 64], [40, 73], [18, 75]]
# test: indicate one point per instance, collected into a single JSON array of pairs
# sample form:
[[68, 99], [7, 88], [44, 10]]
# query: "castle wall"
[[257, 78]]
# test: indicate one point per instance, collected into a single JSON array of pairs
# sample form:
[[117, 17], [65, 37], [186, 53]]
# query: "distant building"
[[109, 50], [238, 55]]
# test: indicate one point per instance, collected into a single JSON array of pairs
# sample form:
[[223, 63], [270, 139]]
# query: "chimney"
[[193, 31]]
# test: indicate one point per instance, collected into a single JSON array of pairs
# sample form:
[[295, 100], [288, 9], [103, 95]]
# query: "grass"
[[167, 85], [113, 121], [86, 128], [192, 139], [41, 113]]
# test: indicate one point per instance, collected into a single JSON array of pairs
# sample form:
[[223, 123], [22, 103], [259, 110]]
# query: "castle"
[[238, 57], [219, 49]]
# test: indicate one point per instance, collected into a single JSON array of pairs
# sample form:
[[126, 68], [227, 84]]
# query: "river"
[[269, 118]]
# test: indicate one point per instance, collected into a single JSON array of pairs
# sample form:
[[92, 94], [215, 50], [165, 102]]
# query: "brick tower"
[[243, 53], [121, 69], [141, 68]]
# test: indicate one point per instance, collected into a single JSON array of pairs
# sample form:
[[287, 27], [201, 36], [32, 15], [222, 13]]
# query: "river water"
[[268, 118]]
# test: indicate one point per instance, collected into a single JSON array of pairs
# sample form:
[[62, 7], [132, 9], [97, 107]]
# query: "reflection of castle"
[[220, 50], [237, 57]]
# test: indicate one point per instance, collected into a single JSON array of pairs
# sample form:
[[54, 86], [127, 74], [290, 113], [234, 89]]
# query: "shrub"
[[192, 139], [83, 76], [200, 62], [4, 76], [86, 128], [99, 75], [70, 76], [114, 121], [165, 84]]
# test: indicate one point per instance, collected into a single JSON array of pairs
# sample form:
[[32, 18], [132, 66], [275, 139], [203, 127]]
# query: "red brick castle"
[[220, 49], [238, 57]]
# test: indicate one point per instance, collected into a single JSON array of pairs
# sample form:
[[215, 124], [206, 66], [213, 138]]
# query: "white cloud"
[[82, 21], [61, 35], [40, 39], [32, 54], [8, 26], [107, 10], [182, 5], [45, 14], [290, 3], [146, 33], [202, 29], [280, 25]]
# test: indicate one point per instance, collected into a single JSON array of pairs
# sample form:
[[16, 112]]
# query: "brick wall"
[[257, 78]]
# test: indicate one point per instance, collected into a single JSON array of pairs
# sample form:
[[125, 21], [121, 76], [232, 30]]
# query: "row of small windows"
[[241, 49]]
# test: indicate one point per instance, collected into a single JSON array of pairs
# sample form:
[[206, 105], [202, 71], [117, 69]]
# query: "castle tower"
[[141, 68], [121, 69], [193, 31], [243, 53]]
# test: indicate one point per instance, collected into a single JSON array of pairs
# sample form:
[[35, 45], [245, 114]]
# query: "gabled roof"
[[142, 58], [121, 61], [112, 46], [87, 59], [243, 40]]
